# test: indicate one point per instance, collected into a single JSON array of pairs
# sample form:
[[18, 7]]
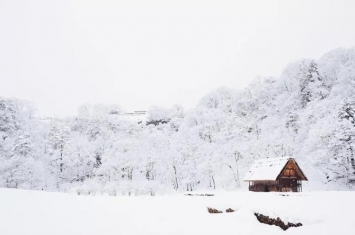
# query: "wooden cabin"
[[275, 175]]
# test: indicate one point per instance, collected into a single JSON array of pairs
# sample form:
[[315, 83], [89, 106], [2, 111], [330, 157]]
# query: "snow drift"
[[42, 213]]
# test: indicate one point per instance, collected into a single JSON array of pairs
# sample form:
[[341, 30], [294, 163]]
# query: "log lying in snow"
[[213, 211], [278, 222], [206, 194]]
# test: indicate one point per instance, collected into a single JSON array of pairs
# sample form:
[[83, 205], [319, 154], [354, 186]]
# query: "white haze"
[[61, 54]]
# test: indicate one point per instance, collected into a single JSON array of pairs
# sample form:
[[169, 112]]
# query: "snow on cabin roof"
[[266, 169]]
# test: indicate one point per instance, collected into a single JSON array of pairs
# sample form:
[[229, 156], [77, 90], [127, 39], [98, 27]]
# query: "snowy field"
[[36, 213]]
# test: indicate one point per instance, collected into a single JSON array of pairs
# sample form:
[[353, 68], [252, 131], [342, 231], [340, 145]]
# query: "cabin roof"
[[268, 169]]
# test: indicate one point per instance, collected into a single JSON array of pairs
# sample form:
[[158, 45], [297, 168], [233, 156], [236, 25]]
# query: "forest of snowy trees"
[[307, 113]]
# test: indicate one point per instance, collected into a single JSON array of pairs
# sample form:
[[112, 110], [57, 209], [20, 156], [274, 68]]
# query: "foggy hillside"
[[307, 113]]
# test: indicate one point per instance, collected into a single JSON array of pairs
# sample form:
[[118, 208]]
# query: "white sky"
[[61, 54]]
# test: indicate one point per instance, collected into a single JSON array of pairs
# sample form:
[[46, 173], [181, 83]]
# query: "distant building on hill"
[[136, 113], [275, 175], [137, 116]]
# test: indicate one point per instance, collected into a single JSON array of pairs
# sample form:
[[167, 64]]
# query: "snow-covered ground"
[[43, 213]]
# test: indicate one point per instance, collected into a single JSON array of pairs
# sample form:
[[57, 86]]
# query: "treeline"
[[307, 113]]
